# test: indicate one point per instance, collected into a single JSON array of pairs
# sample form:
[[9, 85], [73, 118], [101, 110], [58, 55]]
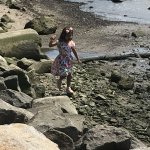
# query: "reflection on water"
[[128, 10]]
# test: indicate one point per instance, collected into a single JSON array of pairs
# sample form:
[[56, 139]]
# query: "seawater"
[[52, 53], [128, 10]]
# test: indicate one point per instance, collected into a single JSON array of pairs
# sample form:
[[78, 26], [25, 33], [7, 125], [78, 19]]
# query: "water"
[[129, 10], [52, 53]]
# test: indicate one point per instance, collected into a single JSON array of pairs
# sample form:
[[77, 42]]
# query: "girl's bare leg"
[[59, 82], [69, 90]]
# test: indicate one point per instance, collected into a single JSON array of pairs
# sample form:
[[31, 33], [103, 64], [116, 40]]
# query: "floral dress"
[[62, 65]]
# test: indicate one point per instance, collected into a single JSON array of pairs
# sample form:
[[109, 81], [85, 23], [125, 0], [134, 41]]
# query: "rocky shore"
[[110, 109]]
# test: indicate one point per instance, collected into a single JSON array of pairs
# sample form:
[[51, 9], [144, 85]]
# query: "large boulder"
[[23, 79], [57, 113], [10, 114], [105, 137], [64, 141], [43, 25], [23, 137], [41, 67], [65, 104], [21, 43], [16, 98]]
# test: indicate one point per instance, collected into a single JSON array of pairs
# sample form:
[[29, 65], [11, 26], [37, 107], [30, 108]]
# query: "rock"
[[11, 82], [2, 84], [14, 4], [41, 67], [3, 62], [10, 114], [15, 98], [43, 25], [142, 148], [4, 26], [64, 141], [3, 1], [126, 83], [50, 109], [12, 60], [20, 44], [23, 137], [100, 97], [107, 137], [23, 78], [115, 76], [1, 30], [39, 90], [24, 63], [116, 1], [52, 117], [63, 102], [6, 18]]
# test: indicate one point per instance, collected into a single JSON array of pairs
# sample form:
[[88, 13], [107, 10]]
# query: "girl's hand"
[[53, 41], [53, 37]]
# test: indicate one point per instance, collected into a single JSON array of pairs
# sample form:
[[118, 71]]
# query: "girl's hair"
[[64, 32]]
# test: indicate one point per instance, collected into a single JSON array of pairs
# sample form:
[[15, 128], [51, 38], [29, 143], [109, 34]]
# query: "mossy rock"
[[43, 25], [21, 43], [126, 83]]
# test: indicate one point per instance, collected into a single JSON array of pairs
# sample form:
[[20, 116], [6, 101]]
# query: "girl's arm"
[[53, 41], [75, 54]]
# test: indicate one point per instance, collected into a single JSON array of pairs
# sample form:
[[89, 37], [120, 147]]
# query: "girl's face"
[[69, 34]]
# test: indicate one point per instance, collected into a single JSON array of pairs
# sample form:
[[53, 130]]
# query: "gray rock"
[[41, 67], [10, 114], [2, 84], [20, 44], [107, 137], [11, 82], [126, 83], [63, 102], [43, 25], [6, 18], [115, 76], [23, 137], [61, 139], [57, 113], [24, 63], [23, 79], [1, 30], [15, 98]]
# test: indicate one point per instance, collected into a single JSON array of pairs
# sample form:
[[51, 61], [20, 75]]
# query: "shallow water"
[[52, 53], [129, 10]]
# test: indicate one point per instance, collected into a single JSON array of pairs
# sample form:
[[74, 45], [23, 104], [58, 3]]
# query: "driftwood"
[[117, 57]]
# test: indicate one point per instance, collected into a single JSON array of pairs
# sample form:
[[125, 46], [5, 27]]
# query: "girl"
[[62, 65]]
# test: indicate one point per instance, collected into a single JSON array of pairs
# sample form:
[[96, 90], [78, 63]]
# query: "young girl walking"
[[62, 65]]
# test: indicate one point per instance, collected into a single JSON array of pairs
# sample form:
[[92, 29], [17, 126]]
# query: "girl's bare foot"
[[69, 90]]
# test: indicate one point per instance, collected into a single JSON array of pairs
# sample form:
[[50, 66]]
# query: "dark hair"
[[63, 34]]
